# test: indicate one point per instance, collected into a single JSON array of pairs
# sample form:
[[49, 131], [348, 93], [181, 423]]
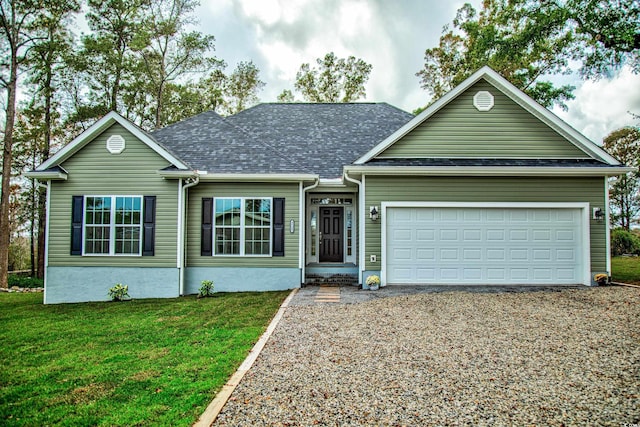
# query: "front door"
[[331, 229]]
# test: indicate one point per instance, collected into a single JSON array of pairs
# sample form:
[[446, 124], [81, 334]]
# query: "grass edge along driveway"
[[151, 362]]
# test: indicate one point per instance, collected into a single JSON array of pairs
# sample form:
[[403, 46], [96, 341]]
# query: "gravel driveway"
[[560, 357]]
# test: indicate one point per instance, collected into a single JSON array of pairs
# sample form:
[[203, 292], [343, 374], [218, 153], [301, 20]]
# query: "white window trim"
[[242, 228], [112, 226]]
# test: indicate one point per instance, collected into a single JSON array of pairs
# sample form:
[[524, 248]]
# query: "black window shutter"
[[76, 225], [278, 227], [206, 236], [149, 226]]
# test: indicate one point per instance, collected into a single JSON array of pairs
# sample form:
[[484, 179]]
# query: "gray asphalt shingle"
[[282, 138]]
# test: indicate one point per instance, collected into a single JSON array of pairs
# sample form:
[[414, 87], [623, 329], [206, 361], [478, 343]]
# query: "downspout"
[[47, 187], [302, 262], [360, 223], [182, 243]]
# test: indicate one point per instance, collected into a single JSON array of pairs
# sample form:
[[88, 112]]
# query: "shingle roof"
[[282, 138]]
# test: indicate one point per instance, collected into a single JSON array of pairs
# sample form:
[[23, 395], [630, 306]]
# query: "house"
[[483, 187]]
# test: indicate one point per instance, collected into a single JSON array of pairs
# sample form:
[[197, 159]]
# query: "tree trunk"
[[6, 170]]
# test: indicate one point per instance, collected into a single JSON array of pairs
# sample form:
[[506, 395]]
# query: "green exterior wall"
[[460, 130], [290, 191], [95, 171], [485, 189]]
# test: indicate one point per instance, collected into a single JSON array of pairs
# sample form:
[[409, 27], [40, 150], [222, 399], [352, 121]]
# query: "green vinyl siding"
[[460, 130], [254, 190], [94, 171], [485, 189]]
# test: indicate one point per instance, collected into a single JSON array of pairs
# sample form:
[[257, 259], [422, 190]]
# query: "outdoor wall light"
[[292, 226], [598, 214], [373, 213]]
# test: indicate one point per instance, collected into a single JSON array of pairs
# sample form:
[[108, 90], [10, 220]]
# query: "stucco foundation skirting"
[[211, 413]]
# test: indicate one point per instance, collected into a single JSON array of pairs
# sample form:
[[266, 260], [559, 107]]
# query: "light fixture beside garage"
[[598, 214], [483, 100], [373, 213]]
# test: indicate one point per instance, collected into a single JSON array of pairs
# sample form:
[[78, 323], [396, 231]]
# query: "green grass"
[[626, 269], [141, 362]]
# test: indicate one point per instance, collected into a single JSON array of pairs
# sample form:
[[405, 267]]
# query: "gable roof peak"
[[516, 95], [100, 126]]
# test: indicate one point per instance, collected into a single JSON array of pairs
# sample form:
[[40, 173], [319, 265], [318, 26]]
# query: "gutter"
[[361, 220], [182, 244], [490, 171], [303, 226]]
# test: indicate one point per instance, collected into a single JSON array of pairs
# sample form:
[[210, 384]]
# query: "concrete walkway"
[[312, 295]]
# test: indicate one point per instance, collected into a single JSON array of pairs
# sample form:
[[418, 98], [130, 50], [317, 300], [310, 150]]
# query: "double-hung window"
[[112, 225], [242, 226]]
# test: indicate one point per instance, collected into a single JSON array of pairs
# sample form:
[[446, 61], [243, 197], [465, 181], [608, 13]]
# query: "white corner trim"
[[99, 127], [512, 92]]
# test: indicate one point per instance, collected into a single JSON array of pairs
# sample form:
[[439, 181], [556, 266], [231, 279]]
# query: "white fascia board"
[[257, 177], [99, 127], [177, 174], [518, 96], [489, 170], [46, 175]]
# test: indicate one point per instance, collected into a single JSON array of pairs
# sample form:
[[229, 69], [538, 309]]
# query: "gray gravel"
[[560, 357]]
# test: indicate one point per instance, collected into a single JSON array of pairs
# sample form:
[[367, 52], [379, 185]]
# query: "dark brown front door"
[[331, 241]]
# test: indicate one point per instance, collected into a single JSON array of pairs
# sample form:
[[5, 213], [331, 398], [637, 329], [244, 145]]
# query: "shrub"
[[624, 242], [119, 292], [24, 281], [206, 288]]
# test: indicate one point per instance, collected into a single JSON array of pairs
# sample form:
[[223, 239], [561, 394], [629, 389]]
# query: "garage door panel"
[[484, 245]]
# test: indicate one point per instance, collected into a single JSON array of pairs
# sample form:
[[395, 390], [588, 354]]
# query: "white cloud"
[[603, 106]]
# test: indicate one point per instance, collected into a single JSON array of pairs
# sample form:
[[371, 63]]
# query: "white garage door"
[[484, 246]]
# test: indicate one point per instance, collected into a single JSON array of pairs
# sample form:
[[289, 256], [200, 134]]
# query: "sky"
[[392, 35]]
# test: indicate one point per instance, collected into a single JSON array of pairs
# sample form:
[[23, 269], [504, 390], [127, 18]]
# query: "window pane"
[[97, 217], [257, 235], [227, 241], [126, 225]]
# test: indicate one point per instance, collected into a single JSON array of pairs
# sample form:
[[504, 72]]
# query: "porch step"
[[331, 279]]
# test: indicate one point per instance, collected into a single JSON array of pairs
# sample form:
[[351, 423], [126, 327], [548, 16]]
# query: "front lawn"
[[625, 269], [141, 362]]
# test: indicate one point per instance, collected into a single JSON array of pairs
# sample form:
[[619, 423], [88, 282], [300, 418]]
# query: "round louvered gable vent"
[[483, 101], [115, 144]]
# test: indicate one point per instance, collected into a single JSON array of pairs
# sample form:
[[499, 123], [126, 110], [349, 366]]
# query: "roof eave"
[[177, 174], [47, 175], [256, 177], [489, 170]]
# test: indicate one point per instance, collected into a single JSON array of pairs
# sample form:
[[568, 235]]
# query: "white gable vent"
[[115, 144], [483, 101]]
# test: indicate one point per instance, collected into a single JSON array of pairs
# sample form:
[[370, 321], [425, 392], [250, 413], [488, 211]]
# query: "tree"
[[242, 87], [18, 23], [45, 62], [105, 62], [286, 96], [334, 80], [624, 144], [167, 54], [520, 39], [606, 34]]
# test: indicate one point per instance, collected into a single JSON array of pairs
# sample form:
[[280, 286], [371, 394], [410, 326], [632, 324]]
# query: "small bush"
[[23, 281], [119, 292], [624, 242], [206, 289]]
